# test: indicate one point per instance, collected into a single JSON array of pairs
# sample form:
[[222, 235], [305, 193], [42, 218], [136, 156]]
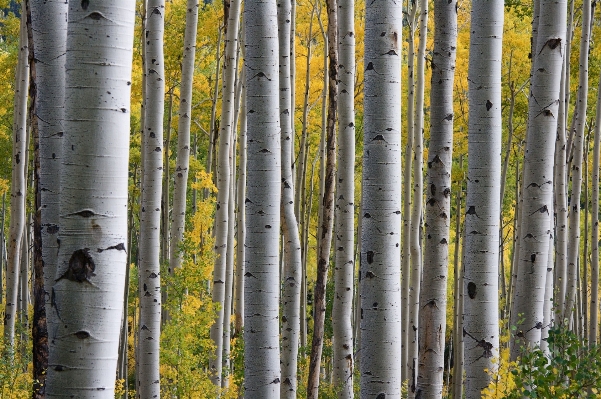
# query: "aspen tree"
[[18, 187], [261, 278], [407, 169], [345, 206], [291, 277], [380, 348], [481, 281], [537, 197], [49, 38], [578, 144], [433, 297], [417, 209], [593, 331], [180, 182], [148, 381], [230, 69], [88, 289]]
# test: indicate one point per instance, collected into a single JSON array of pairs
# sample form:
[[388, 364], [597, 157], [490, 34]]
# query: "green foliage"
[[570, 369]]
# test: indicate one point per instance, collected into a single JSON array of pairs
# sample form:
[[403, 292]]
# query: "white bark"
[[561, 201], [241, 216], [481, 279], [433, 298], [578, 144], [537, 197], [180, 181], [230, 69], [261, 279], [342, 310], [381, 206], [594, 309], [417, 210], [89, 284], [150, 211], [49, 42], [18, 187], [291, 278]]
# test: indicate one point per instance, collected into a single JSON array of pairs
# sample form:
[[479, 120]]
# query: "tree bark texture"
[[150, 211], [433, 298], [261, 278], [481, 279], [380, 349], [87, 293], [344, 270]]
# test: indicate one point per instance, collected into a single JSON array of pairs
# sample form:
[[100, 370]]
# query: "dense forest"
[[284, 199]]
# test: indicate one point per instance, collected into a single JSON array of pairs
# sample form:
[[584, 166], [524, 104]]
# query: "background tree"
[[380, 363]]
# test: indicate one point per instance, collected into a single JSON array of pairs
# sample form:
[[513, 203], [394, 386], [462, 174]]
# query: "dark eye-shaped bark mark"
[[484, 344], [542, 209], [471, 290], [85, 4], [118, 247], [81, 267]]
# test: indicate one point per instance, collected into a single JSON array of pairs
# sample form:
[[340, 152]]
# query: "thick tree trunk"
[[18, 187], [380, 364], [261, 279], [481, 278], [87, 293], [537, 197], [150, 211], [48, 42], [433, 297], [342, 310]]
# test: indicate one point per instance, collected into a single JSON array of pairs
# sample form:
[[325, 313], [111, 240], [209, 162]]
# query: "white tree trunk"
[[50, 42], [150, 211], [342, 310], [578, 144], [481, 279], [594, 310], [291, 277], [561, 202], [433, 298], [381, 204], [230, 69], [261, 279], [180, 179], [537, 197], [18, 187], [88, 289], [418, 199]]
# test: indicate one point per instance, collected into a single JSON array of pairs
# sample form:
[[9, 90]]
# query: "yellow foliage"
[[502, 378]]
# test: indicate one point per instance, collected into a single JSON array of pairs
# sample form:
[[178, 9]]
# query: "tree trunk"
[[407, 169], [578, 144], [261, 279], [593, 331], [380, 364], [481, 281], [150, 211], [342, 310], [180, 184], [88, 290], [226, 126], [433, 296], [18, 187], [291, 277], [48, 41], [327, 204]]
